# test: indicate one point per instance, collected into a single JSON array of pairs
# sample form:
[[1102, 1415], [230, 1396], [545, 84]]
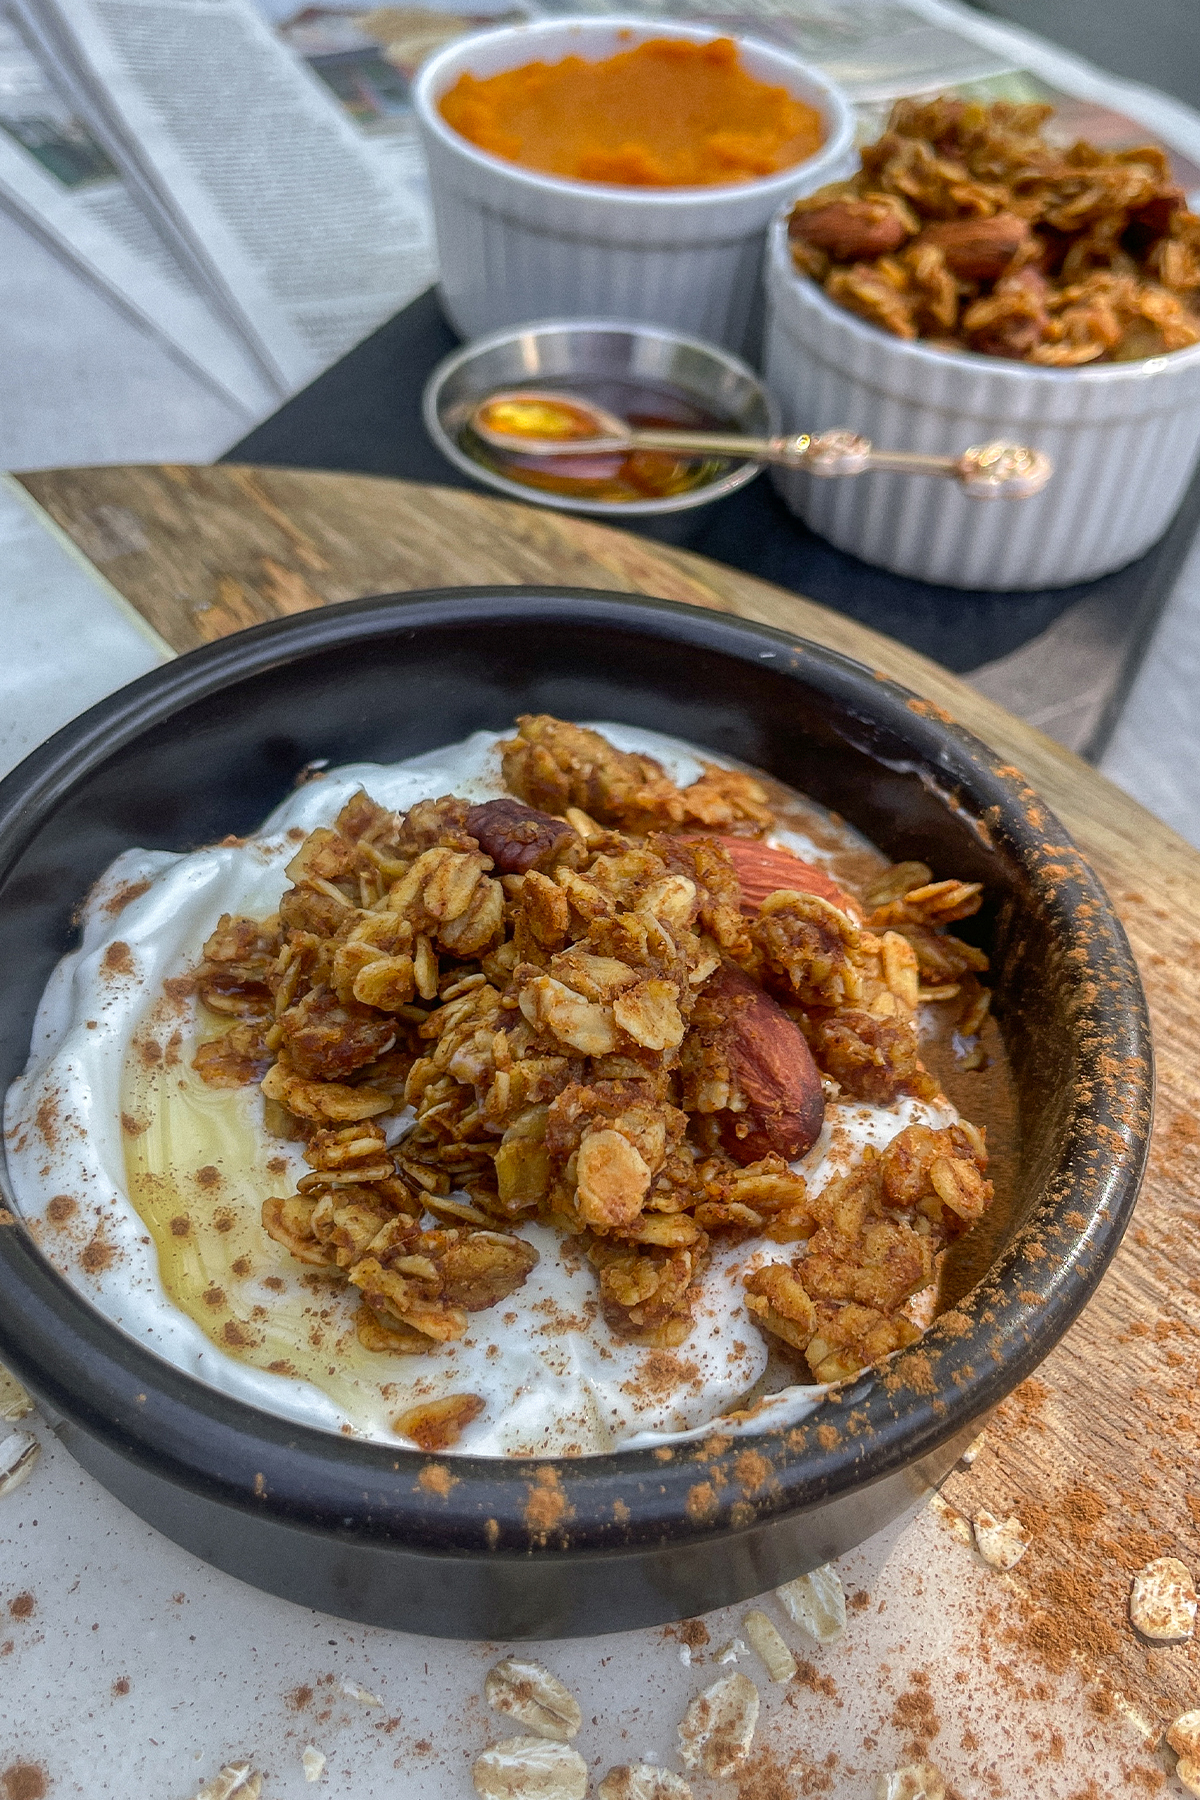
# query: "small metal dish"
[[553, 352]]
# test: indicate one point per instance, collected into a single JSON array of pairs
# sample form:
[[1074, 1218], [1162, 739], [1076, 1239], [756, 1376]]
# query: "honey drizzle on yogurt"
[[198, 1175]]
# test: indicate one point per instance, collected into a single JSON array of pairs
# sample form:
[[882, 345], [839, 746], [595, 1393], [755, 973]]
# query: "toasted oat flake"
[[15, 1403], [1000, 1542], [716, 1731], [916, 1781], [363, 1695], [769, 1647], [530, 1768], [238, 1779], [1162, 1601], [312, 1762], [816, 1603], [529, 1693], [642, 1781], [18, 1453]]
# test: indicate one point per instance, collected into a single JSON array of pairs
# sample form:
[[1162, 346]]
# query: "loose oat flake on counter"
[[540, 1095], [717, 1729], [530, 1768], [1162, 1601], [969, 227], [769, 1646], [916, 1781], [529, 1693], [817, 1603], [1184, 1738], [1000, 1542], [642, 1781]]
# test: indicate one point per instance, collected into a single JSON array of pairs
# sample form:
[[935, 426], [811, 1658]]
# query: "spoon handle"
[[986, 471]]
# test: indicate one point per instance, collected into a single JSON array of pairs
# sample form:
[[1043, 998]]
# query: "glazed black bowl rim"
[[206, 1442]]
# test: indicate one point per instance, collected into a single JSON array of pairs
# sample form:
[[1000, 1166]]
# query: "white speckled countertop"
[[129, 1668]]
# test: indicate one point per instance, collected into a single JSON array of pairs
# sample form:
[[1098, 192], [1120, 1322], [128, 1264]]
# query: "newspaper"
[[57, 180], [271, 144], [284, 212]]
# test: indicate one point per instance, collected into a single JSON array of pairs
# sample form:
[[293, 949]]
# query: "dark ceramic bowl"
[[208, 744]]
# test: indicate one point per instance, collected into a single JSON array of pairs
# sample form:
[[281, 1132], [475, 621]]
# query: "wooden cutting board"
[[1098, 1453]]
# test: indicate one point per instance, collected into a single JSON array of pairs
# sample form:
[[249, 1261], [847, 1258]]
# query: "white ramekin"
[[1124, 439], [514, 244]]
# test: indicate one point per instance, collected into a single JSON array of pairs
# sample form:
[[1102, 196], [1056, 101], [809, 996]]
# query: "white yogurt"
[[198, 1160]]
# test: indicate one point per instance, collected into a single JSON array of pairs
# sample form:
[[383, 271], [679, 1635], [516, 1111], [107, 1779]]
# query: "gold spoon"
[[538, 422]]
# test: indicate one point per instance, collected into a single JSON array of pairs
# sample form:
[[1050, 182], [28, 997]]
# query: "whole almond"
[[977, 249], [772, 1067], [764, 869], [851, 230]]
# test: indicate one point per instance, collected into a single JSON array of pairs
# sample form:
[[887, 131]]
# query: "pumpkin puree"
[[667, 114]]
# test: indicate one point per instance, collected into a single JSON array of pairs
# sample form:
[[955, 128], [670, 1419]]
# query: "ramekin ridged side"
[[514, 244], [1124, 439]]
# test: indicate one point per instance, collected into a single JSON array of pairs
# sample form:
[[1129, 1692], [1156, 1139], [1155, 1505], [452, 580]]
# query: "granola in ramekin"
[[967, 227]]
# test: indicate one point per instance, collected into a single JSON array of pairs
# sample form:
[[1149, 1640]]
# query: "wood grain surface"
[[1099, 1452]]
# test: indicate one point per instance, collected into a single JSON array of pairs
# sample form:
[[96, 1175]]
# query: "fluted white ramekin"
[[1124, 439], [514, 244]]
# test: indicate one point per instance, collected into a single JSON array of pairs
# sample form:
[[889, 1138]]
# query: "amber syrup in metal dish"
[[618, 478]]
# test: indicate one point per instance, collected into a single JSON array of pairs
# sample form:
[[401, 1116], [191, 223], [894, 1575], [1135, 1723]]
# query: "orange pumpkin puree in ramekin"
[[669, 113]]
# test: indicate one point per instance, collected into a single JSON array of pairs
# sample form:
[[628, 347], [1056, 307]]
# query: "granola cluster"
[[600, 1026], [966, 227]]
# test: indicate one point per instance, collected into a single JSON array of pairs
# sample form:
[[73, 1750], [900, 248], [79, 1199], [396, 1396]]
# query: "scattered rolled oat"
[[312, 1762], [1162, 1601], [15, 1403], [352, 1691], [642, 1781], [1184, 1738], [234, 1779], [917, 1781], [953, 1520], [18, 1453], [530, 1768], [816, 1603], [1189, 1774], [529, 1693], [1000, 1542], [716, 1730], [769, 1647], [728, 1653]]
